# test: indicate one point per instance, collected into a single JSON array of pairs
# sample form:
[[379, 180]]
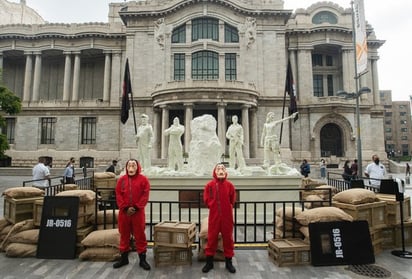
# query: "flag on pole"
[[360, 36], [127, 88], [291, 91]]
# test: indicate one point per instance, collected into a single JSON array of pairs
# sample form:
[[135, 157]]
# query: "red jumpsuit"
[[220, 195], [132, 191]]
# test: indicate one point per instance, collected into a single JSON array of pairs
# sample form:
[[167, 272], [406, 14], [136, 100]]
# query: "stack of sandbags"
[[5, 227], [104, 183], [320, 214], [105, 219], [21, 240], [102, 245], [286, 225], [68, 187], [104, 180], [219, 256], [87, 205], [316, 193]]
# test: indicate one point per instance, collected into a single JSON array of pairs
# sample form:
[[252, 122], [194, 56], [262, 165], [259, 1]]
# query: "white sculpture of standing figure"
[[175, 152], [235, 136], [144, 141], [270, 139]]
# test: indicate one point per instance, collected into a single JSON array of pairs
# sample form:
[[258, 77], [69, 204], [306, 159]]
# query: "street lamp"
[[356, 96]]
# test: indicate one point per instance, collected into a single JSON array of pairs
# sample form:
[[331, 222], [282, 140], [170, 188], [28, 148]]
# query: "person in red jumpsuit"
[[219, 195], [132, 194]]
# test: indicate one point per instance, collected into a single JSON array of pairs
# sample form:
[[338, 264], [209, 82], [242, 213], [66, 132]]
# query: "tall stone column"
[[117, 74], [37, 77], [221, 125], [156, 133], [305, 73], [375, 80], [67, 76], [253, 133], [76, 77], [163, 139], [188, 119], [246, 134], [347, 75], [222, 67], [28, 73], [188, 67], [106, 81]]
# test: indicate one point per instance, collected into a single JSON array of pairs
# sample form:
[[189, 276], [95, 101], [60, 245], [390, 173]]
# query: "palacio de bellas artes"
[[189, 58]]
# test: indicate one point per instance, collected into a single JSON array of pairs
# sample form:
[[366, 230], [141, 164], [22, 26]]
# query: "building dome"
[[18, 13]]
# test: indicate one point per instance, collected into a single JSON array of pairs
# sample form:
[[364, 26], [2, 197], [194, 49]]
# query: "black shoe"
[[124, 260], [143, 264], [209, 264], [229, 265]]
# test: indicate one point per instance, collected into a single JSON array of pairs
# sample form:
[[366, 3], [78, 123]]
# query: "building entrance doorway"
[[331, 141]]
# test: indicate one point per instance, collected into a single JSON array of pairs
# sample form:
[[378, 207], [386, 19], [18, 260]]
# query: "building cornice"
[[157, 9], [62, 31]]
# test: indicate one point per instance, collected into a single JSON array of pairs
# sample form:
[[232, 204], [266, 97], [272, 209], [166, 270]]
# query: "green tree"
[[9, 104]]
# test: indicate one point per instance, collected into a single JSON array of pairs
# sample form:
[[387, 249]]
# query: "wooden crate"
[[17, 210], [287, 252], [377, 246], [377, 240], [407, 231], [172, 256], [37, 209], [388, 237], [393, 210], [174, 234], [374, 213], [86, 210]]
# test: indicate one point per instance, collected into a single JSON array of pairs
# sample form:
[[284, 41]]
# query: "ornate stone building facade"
[[188, 58]]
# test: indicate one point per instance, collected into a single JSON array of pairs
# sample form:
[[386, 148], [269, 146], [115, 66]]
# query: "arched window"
[[325, 17], [205, 65], [179, 34], [331, 141], [205, 28], [231, 34]]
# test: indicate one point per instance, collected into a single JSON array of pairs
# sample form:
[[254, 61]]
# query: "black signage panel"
[[57, 236], [340, 242]]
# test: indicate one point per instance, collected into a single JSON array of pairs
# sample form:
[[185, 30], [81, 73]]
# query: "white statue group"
[[205, 147]]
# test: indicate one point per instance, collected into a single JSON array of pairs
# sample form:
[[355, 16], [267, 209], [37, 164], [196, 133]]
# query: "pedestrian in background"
[[41, 174], [322, 167], [69, 172], [305, 168], [347, 171], [112, 167], [354, 169], [376, 171]]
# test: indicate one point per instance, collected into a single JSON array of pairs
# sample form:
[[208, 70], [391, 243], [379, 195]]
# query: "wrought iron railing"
[[254, 221], [84, 181]]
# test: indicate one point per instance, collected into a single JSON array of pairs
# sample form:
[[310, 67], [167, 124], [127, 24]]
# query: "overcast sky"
[[391, 21]]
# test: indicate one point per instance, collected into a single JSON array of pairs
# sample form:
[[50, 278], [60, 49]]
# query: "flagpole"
[[134, 117], [358, 133], [283, 115]]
